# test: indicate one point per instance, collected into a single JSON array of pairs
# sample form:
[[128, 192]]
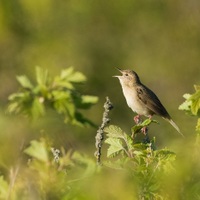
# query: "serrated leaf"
[[24, 82], [187, 96], [37, 150], [114, 131], [115, 146], [185, 105]]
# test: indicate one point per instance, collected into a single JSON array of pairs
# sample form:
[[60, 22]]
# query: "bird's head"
[[128, 77]]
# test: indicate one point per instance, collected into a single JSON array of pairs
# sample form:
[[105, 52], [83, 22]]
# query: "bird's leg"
[[144, 130], [137, 119]]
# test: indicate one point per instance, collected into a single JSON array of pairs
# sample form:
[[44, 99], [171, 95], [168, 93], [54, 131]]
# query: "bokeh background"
[[159, 39]]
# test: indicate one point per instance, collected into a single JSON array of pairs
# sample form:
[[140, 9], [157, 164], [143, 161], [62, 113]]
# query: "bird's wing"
[[151, 101]]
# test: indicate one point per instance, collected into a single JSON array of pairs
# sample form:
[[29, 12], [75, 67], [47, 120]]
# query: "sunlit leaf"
[[85, 101], [77, 77], [25, 82], [114, 131], [88, 99], [42, 76], [37, 150], [66, 72], [70, 75], [115, 146]]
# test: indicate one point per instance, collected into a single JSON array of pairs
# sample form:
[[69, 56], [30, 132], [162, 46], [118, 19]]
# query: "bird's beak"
[[118, 70]]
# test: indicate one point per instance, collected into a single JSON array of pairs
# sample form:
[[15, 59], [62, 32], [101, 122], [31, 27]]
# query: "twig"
[[100, 134]]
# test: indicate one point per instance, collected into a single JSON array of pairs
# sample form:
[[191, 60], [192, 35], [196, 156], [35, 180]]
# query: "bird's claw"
[[144, 130], [137, 119]]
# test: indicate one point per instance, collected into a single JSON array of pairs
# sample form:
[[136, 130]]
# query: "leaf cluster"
[[58, 93], [191, 105], [145, 164], [46, 179]]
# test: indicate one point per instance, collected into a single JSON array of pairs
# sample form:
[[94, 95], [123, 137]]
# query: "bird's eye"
[[126, 74]]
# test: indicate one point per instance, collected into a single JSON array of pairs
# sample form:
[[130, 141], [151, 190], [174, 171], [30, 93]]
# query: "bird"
[[141, 99]]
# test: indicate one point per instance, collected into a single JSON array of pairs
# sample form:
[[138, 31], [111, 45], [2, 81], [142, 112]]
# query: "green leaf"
[[138, 127], [42, 76], [192, 102], [71, 76], [195, 106], [63, 83], [186, 105], [115, 146], [24, 82], [84, 101], [88, 99], [37, 150], [77, 77], [37, 108], [66, 72], [114, 131]]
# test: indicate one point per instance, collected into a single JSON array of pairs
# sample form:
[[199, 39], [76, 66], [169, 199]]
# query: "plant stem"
[[100, 132]]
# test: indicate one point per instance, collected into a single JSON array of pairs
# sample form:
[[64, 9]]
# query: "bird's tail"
[[174, 125]]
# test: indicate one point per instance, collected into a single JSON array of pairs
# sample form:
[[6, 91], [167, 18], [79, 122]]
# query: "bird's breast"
[[134, 102]]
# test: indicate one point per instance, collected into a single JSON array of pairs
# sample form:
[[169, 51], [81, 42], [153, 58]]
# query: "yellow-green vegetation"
[[58, 140], [131, 170]]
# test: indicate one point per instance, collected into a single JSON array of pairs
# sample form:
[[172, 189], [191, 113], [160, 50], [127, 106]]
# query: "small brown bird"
[[141, 99]]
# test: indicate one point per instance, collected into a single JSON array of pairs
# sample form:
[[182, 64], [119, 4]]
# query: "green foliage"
[[57, 93], [4, 188], [192, 102], [132, 170], [145, 165], [49, 179], [192, 105]]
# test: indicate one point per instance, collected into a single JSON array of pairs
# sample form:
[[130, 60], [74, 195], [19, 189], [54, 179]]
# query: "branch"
[[100, 133]]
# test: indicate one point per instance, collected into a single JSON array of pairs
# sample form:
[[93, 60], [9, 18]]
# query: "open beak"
[[118, 70]]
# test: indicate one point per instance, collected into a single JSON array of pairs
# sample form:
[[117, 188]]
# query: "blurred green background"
[[159, 39]]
